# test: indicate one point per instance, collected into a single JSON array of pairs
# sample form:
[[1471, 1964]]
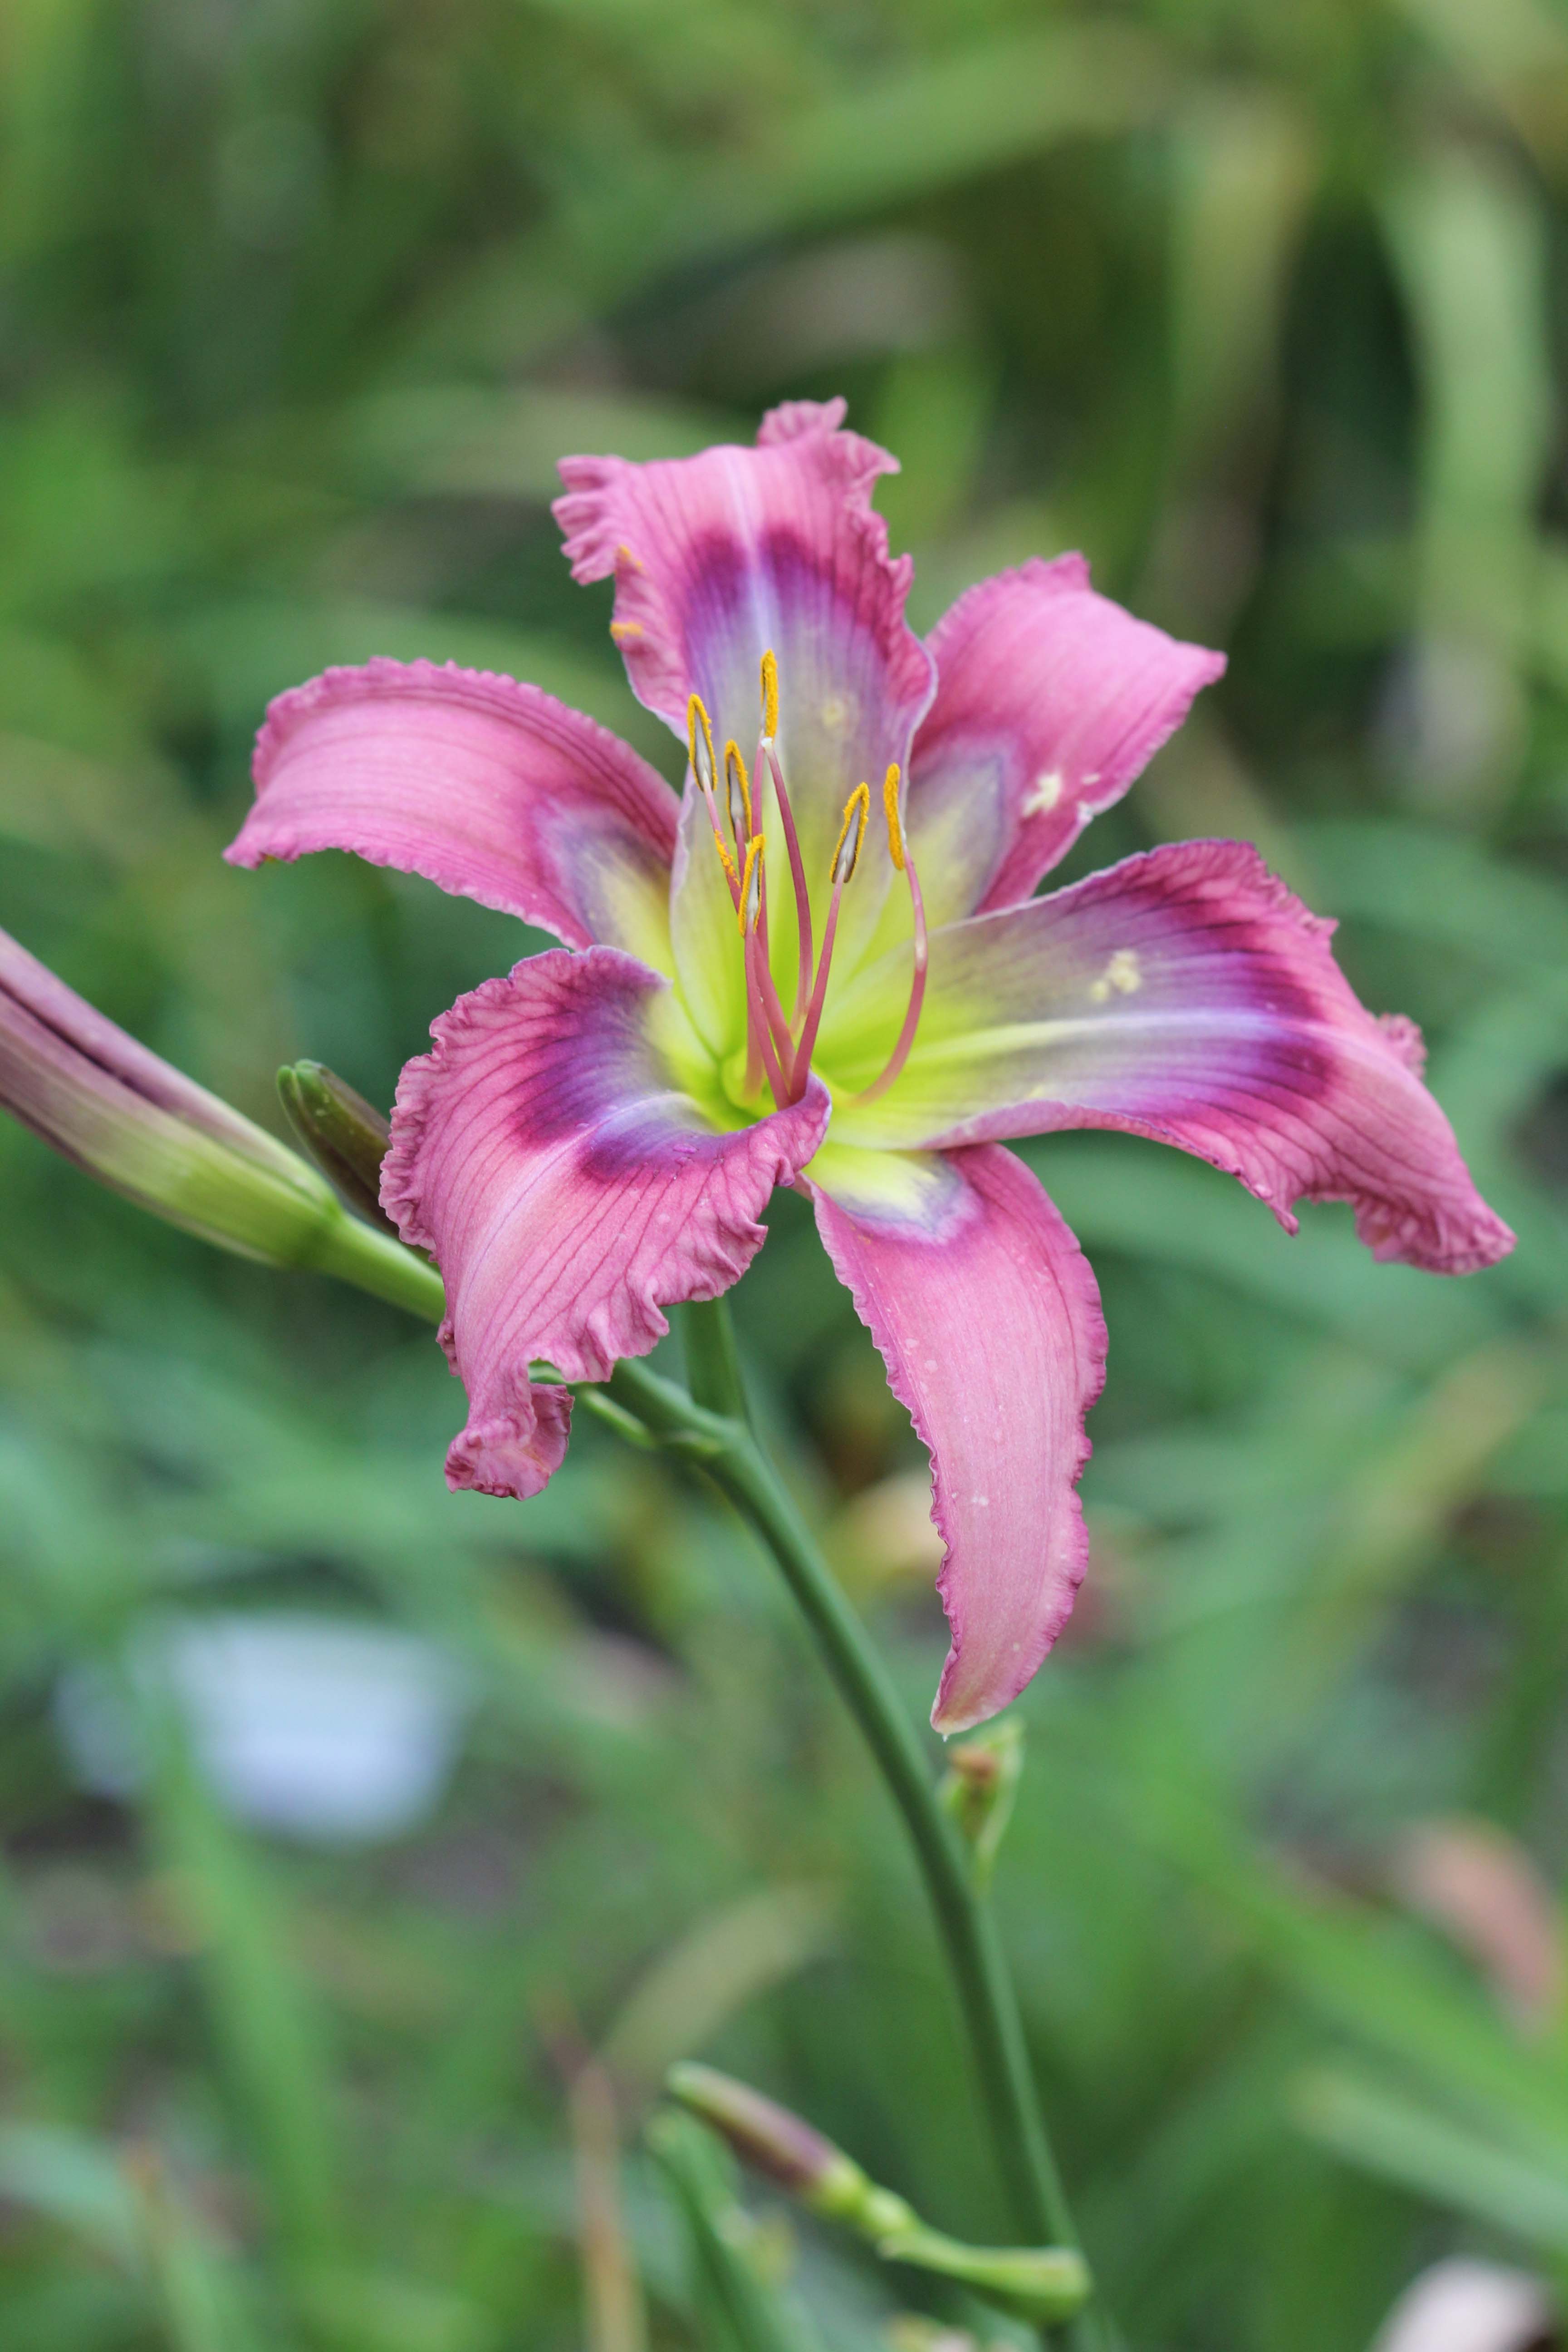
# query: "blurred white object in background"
[[332, 1730], [1470, 2306]]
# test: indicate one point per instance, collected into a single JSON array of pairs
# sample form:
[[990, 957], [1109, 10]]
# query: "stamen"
[[800, 1070], [846, 855], [732, 873], [767, 752], [768, 1041], [699, 744], [797, 870], [778, 1026], [891, 803], [738, 789], [699, 740], [751, 886], [764, 1041], [906, 865]]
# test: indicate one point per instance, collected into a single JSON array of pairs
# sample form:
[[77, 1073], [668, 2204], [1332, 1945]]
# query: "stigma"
[[780, 1045]]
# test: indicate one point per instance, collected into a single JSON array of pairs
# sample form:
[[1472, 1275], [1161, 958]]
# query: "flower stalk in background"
[[825, 966], [144, 1128], [1044, 2284]]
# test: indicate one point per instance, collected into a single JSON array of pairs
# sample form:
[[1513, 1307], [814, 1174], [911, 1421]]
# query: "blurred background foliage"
[[1266, 308]]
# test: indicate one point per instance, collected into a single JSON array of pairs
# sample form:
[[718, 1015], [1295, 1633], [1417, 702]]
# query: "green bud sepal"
[[345, 1136]]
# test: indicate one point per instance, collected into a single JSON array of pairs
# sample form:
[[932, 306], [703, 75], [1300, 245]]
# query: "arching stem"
[[717, 1434], [711, 1429]]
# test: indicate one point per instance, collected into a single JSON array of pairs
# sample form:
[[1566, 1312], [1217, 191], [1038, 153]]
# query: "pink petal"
[[489, 789], [1186, 995], [717, 557], [1049, 701], [987, 1316], [569, 1189]]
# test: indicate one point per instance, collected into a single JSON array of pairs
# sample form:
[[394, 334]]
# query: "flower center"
[[779, 1046]]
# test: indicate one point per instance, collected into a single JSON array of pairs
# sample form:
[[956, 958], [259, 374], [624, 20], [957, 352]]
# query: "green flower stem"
[[712, 1359], [723, 1444], [717, 1436], [357, 1252]]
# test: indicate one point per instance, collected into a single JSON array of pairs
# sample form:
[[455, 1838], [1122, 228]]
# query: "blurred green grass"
[[1264, 309]]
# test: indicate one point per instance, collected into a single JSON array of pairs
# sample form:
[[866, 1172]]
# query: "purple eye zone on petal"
[[785, 594], [586, 1071], [722, 586], [733, 586], [583, 1049], [536, 1146]]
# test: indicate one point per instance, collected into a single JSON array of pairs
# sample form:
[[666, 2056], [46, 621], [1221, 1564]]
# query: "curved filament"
[[807, 945], [900, 850]]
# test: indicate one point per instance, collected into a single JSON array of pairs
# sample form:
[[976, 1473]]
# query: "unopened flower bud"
[[150, 1133], [345, 1136], [780, 2146], [979, 1789]]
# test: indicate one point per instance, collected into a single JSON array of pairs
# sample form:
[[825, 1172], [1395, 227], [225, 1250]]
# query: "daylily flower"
[[825, 967], [145, 1129]]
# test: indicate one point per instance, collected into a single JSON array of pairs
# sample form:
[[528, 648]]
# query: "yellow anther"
[[770, 693], [891, 802], [847, 852], [730, 867], [751, 886], [700, 737], [738, 791]]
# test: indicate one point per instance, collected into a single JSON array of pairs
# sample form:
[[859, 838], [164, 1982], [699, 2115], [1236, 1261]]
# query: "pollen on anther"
[[738, 791], [699, 731], [770, 693], [750, 903], [891, 803], [847, 851]]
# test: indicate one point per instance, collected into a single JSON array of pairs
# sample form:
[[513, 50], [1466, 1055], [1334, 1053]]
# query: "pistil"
[[764, 1045], [778, 1027], [767, 752]]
